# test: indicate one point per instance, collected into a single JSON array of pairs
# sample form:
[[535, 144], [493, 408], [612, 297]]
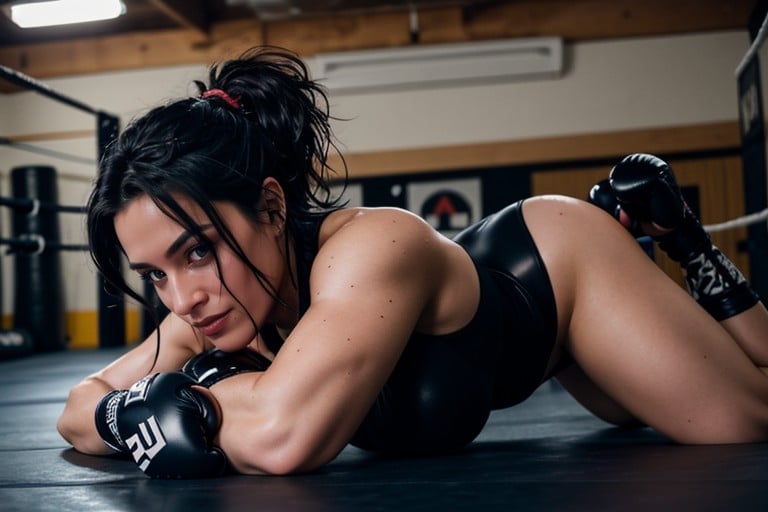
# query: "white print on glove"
[[711, 274], [148, 444], [138, 392]]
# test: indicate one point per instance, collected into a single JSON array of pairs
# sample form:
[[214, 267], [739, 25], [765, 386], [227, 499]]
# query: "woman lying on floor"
[[298, 325]]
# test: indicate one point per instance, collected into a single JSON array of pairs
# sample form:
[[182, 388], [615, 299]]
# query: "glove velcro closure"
[[210, 367], [106, 420]]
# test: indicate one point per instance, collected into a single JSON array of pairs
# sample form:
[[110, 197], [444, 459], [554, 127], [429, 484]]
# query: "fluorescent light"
[[63, 12]]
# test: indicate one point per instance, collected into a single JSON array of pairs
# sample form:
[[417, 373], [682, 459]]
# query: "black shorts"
[[443, 388]]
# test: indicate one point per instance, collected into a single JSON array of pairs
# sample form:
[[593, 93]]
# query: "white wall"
[[607, 86]]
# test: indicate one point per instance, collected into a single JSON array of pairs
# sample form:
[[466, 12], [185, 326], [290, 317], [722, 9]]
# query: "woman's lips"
[[212, 325]]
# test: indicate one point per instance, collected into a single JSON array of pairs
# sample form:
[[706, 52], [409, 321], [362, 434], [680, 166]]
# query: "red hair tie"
[[218, 93]]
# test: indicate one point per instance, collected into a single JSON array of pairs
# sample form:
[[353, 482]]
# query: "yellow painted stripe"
[[83, 327]]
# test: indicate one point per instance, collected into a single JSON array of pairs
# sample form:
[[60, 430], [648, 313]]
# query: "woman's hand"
[[76, 423]]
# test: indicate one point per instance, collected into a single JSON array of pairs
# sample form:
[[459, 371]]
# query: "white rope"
[[752, 218], [756, 44]]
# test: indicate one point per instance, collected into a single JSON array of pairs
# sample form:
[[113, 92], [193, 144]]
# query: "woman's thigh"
[[639, 336]]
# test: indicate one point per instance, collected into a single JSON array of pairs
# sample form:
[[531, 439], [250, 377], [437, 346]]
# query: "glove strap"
[[106, 420], [717, 285], [687, 241]]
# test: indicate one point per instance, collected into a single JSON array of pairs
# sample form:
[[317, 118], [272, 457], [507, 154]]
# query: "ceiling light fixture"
[[64, 12]]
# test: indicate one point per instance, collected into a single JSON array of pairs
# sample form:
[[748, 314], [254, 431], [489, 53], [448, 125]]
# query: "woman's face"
[[184, 273]]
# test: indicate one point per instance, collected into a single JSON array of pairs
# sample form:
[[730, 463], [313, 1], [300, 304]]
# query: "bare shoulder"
[[388, 235], [373, 223], [390, 250]]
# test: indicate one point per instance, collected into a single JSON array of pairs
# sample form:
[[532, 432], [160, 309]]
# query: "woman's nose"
[[186, 294]]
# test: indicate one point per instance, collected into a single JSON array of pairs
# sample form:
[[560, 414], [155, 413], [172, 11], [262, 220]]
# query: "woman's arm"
[[371, 283], [76, 423]]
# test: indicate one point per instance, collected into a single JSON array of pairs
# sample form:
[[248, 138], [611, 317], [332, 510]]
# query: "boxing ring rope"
[[752, 218], [5, 141], [111, 303], [32, 206], [27, 82], [35, 243], [762, 33]]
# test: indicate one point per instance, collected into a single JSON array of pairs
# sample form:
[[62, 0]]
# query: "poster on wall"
[[447, 205]]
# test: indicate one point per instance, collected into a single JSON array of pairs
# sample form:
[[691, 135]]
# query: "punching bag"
[[15, 342], [38, 290]]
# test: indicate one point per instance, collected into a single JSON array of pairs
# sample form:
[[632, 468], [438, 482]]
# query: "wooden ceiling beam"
[[574, 20], [189, 14], [583, 20], [335, 34]]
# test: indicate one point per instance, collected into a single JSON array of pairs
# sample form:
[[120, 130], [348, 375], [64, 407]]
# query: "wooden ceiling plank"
[[604, 19], [443, 25], [340, 33], [573, 20], [189, 14], [132, 51]]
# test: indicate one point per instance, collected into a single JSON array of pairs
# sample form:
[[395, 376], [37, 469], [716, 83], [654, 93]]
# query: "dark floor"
[[546, 454]]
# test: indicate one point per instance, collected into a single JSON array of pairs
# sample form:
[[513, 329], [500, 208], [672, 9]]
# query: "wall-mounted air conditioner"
[[514, 59]]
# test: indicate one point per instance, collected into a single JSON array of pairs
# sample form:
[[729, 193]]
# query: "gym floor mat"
[[546, 454]]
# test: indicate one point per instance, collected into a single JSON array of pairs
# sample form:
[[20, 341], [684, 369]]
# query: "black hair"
[[261, 115]]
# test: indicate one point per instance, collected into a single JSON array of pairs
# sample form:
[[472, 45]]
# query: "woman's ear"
[[273, 201]]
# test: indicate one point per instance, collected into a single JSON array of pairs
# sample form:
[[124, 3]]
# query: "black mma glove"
[[210, 367], [601, 195], [165, 424], [646, 189]]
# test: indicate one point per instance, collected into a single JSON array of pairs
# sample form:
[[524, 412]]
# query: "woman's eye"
[[199, 252], [153, 275]]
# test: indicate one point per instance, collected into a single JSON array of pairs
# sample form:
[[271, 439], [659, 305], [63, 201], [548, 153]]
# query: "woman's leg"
[[639, 337], [594, 399], [643, 194], [748, 328]]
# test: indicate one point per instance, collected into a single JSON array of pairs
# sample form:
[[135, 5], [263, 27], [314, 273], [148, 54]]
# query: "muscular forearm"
[[260, 435], [76, 423], [249, 434]]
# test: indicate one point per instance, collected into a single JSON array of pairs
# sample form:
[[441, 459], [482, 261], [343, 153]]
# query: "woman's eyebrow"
[[182, 239], [174, 247]]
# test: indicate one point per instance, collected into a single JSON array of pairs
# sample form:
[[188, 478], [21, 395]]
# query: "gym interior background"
[[652, 76]]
